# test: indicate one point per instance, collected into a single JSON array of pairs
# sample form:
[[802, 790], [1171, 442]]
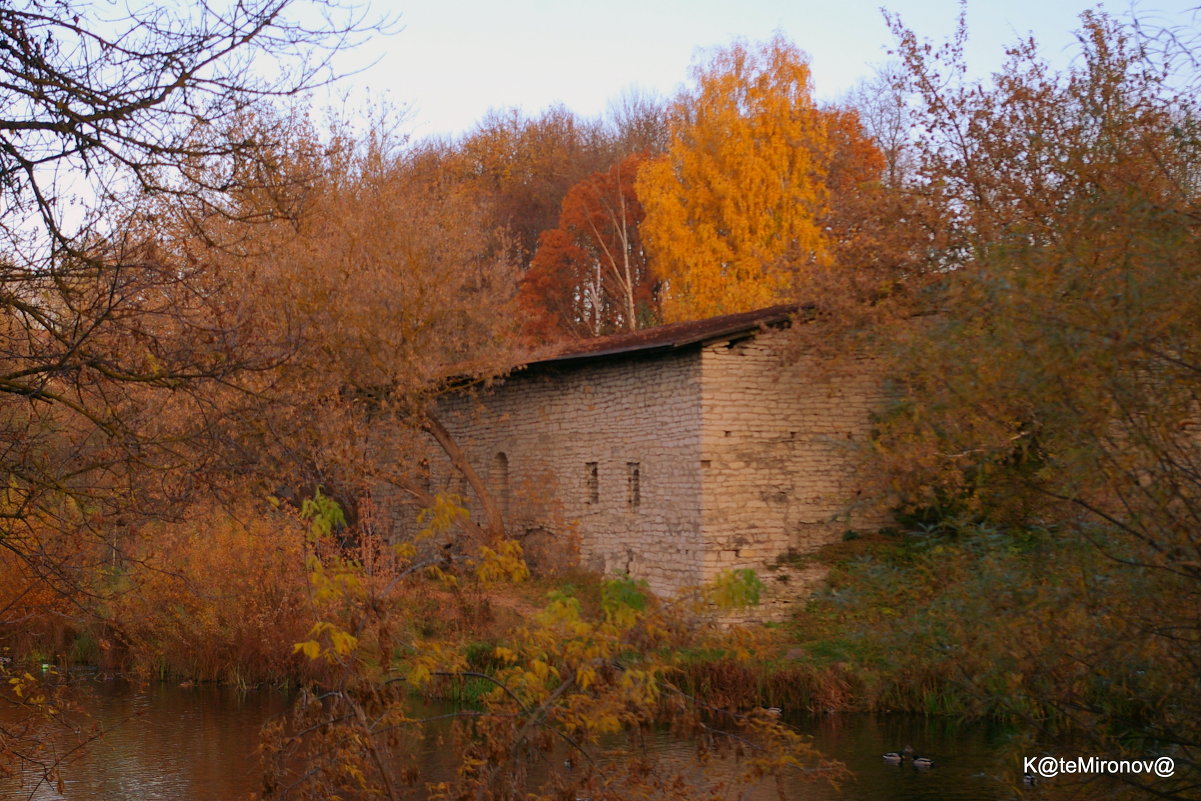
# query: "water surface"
[[170, 743]]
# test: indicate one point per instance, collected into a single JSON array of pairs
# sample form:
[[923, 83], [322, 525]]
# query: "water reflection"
[[198, 744], [969, 761], [163, 743]]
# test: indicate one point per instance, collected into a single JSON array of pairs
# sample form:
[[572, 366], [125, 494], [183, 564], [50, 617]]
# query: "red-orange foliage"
[[590, 275], [219, 596], [856, 162], [873, 229], [32, 611]]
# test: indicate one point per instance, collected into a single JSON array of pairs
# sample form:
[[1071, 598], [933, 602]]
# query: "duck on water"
[[897, 757]]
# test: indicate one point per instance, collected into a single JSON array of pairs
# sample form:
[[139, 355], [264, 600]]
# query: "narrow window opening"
[[500, 481], [633, 485], [592, 481]]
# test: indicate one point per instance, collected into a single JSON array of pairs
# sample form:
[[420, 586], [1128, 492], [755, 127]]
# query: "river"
[[170, 743]]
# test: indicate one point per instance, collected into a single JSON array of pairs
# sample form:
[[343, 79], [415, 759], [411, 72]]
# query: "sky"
[[453, 61]]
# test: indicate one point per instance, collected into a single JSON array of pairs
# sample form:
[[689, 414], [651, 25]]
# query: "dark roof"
[[663, 338]]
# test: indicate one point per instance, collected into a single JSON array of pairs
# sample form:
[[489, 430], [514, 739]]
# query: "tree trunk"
[[493, 519]]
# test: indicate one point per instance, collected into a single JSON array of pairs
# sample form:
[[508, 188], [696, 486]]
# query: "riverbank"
[[969, 622], [1025, 628]]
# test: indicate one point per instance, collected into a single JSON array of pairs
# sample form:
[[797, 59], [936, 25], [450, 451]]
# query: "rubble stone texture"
[[673, 466]]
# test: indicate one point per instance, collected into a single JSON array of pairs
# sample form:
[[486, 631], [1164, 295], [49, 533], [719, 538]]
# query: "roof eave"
[[700, 339]]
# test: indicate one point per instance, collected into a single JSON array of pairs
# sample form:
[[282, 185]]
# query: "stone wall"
[[606, 453], [673, 468], [781, 448]]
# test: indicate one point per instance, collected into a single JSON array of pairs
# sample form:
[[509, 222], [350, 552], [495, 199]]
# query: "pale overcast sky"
[[455, 60]]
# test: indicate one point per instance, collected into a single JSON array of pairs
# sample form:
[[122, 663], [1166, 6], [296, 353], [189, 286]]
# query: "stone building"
[[672, 453]]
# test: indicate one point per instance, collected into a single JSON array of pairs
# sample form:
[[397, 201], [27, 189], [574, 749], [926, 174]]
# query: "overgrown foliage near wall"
[[1031, 627], [1056, 384], [565, 701]]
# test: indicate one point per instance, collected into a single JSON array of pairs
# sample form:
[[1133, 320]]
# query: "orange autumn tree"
[[736, 208], [590, 276]]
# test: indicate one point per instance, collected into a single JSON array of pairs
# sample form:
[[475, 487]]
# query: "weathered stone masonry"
[[572, 437], [779, 452], [674, 453]]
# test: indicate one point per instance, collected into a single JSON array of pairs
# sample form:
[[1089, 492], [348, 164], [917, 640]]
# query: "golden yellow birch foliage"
[[733, 206]]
